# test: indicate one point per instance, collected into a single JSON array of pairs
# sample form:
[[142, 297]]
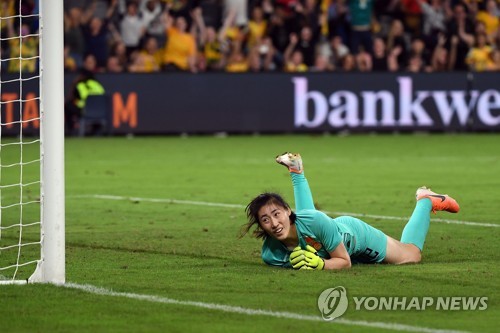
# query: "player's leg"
[[401, 253], [301, 190], [369, 245], [409, 249]]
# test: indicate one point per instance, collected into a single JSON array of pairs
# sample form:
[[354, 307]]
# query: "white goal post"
[[50, 264]]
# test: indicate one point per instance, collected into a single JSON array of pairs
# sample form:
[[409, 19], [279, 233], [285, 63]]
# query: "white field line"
[[225, 205], [252, 312]]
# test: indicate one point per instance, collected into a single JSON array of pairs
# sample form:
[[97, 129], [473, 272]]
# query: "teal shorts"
[[364, 243]]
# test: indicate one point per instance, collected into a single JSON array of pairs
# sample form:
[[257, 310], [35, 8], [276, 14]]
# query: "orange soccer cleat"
[[292, 161], [439, 201]]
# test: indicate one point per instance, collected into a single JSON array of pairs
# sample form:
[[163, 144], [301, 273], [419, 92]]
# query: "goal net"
[[31, 142]]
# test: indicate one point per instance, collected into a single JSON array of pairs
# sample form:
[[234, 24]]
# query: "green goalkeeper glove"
[[297, 258], [313, 261]]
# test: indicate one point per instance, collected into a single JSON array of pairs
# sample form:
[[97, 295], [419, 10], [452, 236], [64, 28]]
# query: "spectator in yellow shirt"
[[489, 18], [180, 49], [23, 50], [148, 59], [212, 50], [256, 27], [480, 56], [237, 61], [294, 59], [7, 9]]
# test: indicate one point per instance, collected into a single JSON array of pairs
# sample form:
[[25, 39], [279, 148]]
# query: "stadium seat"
[[96, 117]]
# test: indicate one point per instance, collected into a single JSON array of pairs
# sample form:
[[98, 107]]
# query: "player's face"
[[275, 220]]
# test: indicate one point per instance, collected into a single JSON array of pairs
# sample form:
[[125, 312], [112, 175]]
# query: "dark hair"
[[85, 75], [252, 211]]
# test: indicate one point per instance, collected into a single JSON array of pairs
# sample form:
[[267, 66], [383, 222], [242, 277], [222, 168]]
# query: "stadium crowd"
[[266, 35]]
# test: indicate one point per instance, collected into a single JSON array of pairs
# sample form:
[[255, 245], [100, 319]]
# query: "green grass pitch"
[[188, 250]]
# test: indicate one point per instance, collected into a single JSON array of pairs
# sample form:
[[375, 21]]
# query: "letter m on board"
[[125, 112]]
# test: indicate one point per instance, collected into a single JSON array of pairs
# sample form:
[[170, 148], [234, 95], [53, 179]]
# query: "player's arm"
[[339, 258], [328, 234]]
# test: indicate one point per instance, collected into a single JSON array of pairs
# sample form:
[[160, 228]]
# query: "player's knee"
[[402, 253], [413, 255]]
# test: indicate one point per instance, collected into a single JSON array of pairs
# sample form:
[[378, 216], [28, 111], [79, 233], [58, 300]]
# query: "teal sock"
[[416, 229]]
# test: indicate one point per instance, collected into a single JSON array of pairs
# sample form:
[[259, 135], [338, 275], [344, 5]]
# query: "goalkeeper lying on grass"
[[309, 239]]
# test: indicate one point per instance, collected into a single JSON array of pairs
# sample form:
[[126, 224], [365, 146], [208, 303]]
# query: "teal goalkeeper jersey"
[[364, 243]]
